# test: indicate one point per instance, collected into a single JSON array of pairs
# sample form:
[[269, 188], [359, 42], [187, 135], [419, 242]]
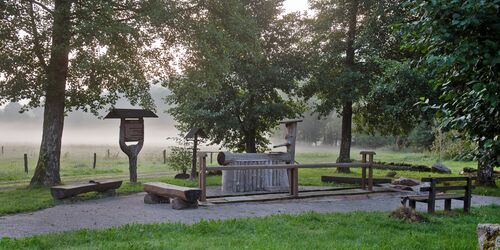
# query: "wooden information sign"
[[134, 130]]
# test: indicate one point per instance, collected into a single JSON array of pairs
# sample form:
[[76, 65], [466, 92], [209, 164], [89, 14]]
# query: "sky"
[[295, 5]]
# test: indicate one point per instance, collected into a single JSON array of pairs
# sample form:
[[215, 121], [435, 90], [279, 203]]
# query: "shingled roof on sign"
[[195, 131], [130, 113]]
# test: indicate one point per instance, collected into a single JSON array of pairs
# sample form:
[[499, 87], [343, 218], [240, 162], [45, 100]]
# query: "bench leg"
[[447, 205], [154, 199], [178, 204], [413, 204]]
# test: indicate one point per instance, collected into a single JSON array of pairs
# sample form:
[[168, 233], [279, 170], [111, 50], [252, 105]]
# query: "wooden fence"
[[292, 171]]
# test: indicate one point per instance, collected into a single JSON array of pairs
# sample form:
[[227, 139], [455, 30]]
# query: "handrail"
[[291, 166]]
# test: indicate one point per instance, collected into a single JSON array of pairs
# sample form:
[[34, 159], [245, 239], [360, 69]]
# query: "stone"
[[391, 174], [406, 182], [182, 176], [179, 204], [440, 168], [154, 199], [488, 236]]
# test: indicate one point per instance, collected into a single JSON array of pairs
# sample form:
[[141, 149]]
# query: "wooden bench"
[[179, 197], [66, 191], [433, 195]]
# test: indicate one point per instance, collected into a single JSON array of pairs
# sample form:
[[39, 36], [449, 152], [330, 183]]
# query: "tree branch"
[[42, 6], [36, 40]]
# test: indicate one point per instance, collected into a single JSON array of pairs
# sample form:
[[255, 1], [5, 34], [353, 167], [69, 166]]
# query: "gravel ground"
[[116, 211]]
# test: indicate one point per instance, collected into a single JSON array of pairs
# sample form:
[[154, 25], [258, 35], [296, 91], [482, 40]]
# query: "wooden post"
[[164, 156], [202, 178], [468, 195], [195, 151], [291, 137], [131, 150], [108, 154], [363, 172], [95, 161], [2, 150], [211, 157], [431, 203], [26, 163]]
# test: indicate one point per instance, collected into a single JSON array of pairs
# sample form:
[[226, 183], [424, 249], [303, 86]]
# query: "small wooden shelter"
[[131, 130]]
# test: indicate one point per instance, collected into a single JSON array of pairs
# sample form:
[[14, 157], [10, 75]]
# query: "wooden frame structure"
[[431, 198], [293, 168]]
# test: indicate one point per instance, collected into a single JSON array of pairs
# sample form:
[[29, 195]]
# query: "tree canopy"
[[459, 41], [239, 74]]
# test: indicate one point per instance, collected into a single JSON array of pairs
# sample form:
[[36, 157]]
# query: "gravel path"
[[116, 211]]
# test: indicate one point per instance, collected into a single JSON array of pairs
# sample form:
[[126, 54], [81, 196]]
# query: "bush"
[[450, 147], [421, 136]]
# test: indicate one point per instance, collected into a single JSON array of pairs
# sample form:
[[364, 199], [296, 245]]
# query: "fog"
[[85, 128]]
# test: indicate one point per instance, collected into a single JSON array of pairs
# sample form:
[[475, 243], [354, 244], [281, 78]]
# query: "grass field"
[[77, 166], [355, 230]]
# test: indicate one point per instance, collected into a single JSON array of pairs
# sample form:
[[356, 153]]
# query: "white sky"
[[295, 5]]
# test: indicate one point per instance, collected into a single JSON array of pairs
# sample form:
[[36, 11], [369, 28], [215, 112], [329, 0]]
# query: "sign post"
[[131, 130]]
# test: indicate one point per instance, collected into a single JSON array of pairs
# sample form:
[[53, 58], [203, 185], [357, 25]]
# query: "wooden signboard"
[[134, 130]]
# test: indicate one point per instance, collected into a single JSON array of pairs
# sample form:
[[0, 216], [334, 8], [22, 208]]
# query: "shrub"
[[450, 147], [179, 158]]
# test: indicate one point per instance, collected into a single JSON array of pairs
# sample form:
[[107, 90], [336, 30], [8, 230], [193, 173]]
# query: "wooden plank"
[[445, 188], [425, 198], [172, 191], [290, 166], [353, 180], [441, 179], [65, 191]]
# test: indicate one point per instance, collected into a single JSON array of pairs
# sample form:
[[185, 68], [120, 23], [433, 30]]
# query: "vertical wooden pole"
[[2, 150], [95, 161], [108, 154], [164, 156], [26, 163], [202, 178], [468, 195], [211, 157], [293, 173], [363, 172], [195, 151], [370, 173], [431, 203]]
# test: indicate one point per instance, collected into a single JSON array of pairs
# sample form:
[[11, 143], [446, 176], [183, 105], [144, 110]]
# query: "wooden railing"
[[293, 180]]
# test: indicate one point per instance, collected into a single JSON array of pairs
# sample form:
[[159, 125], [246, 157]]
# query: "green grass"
[[355, 230]]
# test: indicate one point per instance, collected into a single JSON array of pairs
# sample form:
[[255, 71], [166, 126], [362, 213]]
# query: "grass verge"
[[355, 230]]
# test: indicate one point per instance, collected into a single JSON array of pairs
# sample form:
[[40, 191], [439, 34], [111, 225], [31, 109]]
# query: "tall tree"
[[345, 39], [239, 72], [459, 41], [71, 54]]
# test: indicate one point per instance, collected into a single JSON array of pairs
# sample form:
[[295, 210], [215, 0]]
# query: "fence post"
[[26, 163], [363, 171], [202, 182], [2, 150], [164, 156], [95, 161], [108, 154]]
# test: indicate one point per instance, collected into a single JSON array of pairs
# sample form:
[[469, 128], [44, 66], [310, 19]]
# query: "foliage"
[[459, 41], [360, 230], [239, 72], [180, 157], [390, 107], [111, 49], [450, 146], [422, 136], [372, 141]]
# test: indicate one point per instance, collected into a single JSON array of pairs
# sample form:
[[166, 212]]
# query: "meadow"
[[77, 161]]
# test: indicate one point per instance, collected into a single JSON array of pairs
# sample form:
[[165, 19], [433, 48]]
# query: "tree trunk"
[[47, 169], [193, 160], [250, 141], [485, 172], [345, 142]]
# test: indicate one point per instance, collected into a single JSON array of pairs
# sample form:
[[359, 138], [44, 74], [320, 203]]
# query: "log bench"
[[180, 197], [431, 198], [66, 191]]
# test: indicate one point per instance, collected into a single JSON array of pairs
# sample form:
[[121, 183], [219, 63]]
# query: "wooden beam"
[[173, 191], [291, 166], [65, 191]]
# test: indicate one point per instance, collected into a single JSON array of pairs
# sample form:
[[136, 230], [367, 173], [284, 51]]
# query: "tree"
[[390, 108], [69, 54], [459, 41], [345, 39], [239, 73]]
